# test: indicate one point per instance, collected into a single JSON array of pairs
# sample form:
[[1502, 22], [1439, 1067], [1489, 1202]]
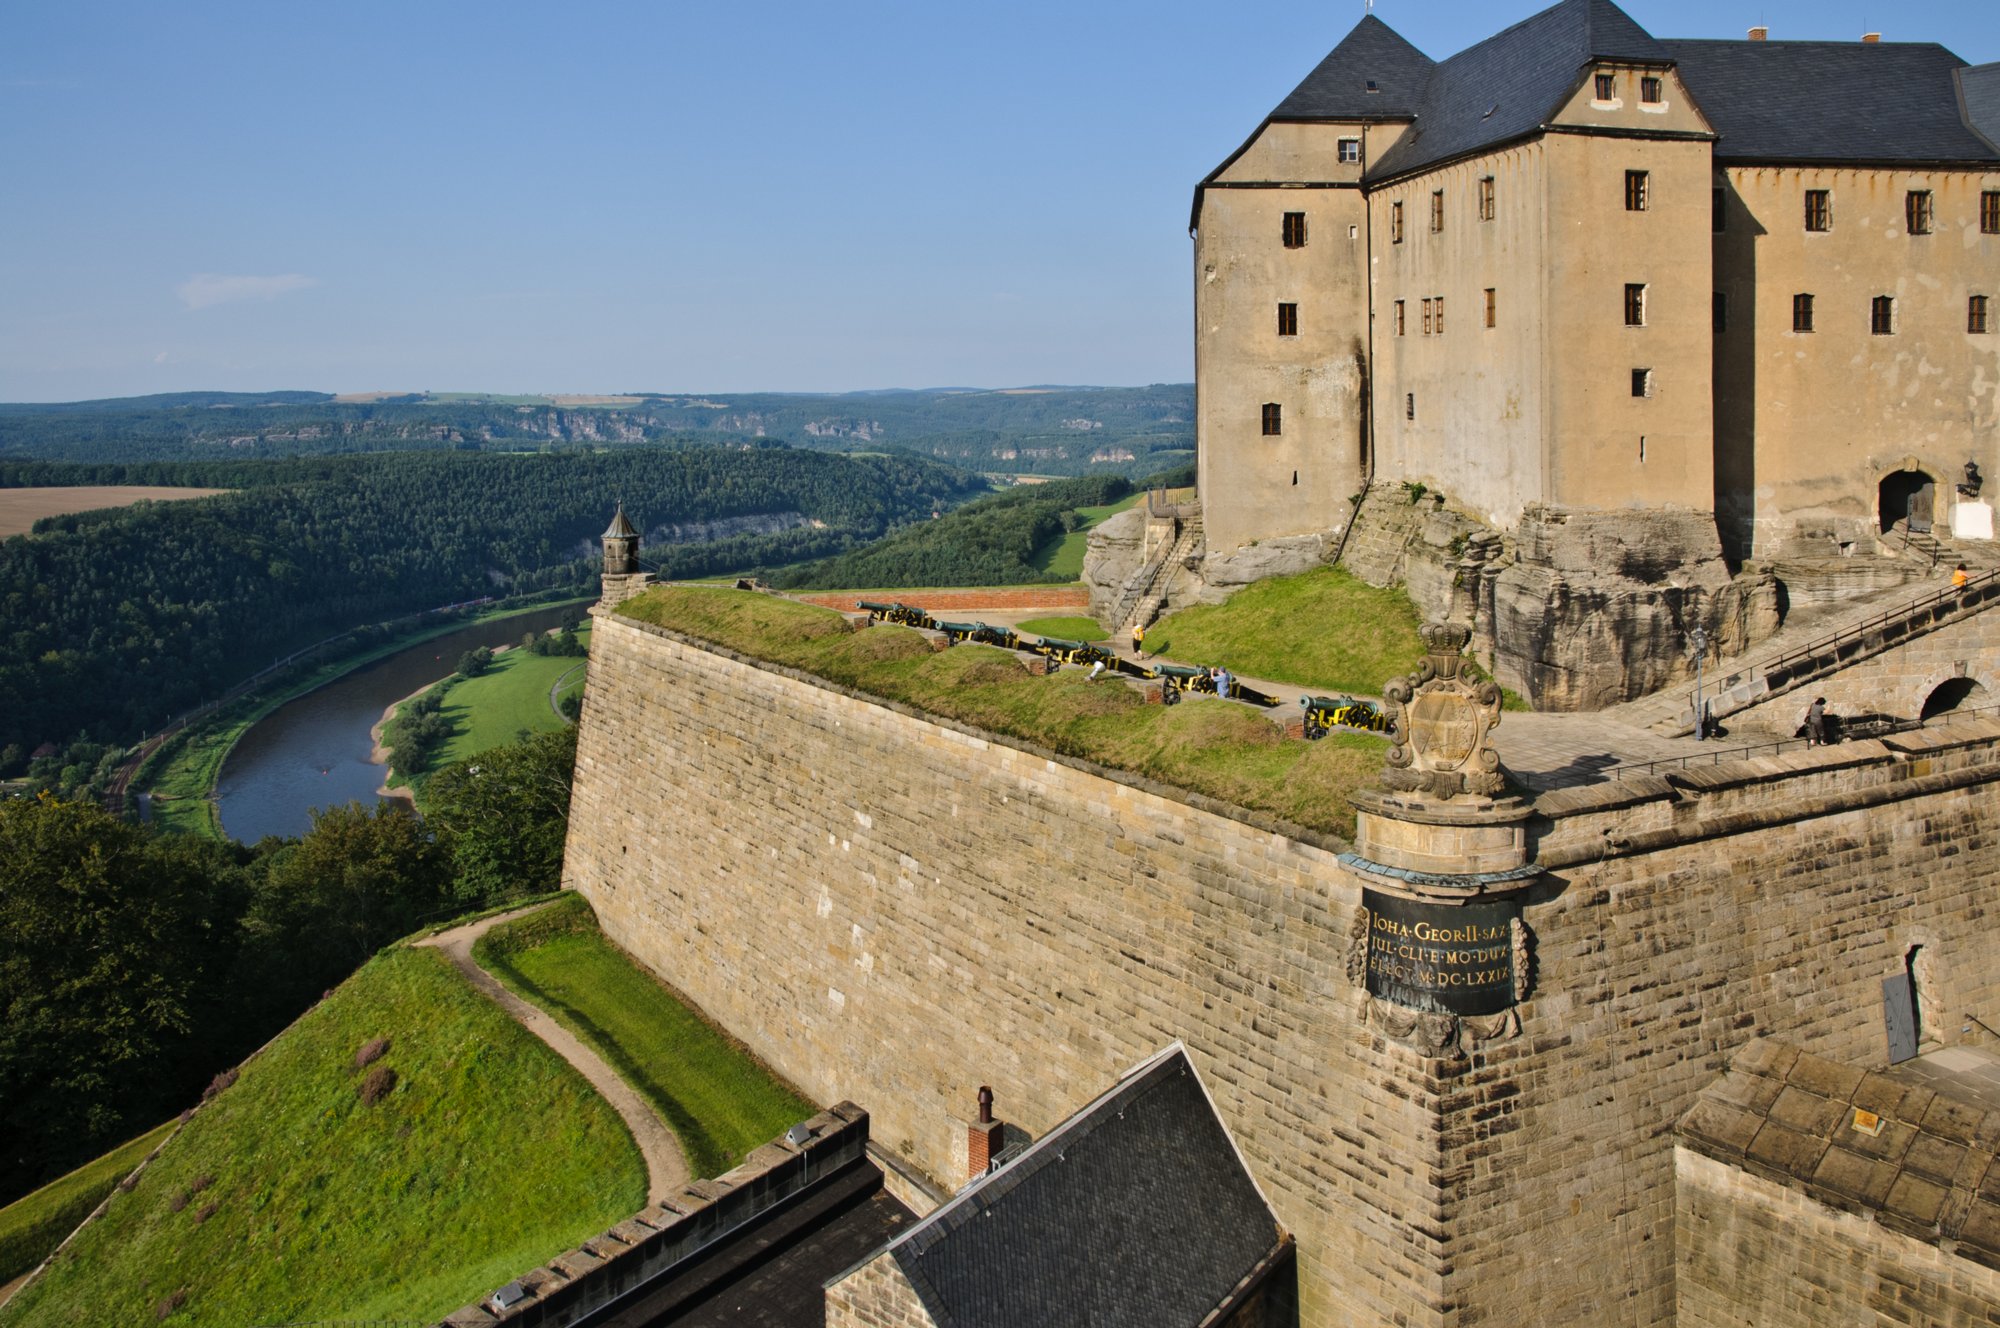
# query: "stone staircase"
[[1796, 657], [1140, 599]]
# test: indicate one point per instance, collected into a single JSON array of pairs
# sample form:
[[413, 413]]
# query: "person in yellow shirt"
[[1139, 639], [1959, 577]]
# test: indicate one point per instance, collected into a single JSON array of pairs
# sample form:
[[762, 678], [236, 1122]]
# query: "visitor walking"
[[1959, 577], [1139, 640], [1816, 722]]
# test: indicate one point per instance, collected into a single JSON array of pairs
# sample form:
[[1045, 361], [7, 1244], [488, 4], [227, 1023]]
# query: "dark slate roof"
[[1337, 88], [620, 528], [1980, 88], [1802, 101], [1511, 83], [1135, 1211]]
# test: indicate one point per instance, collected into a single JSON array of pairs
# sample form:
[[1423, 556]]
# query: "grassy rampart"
[[36, 1223]]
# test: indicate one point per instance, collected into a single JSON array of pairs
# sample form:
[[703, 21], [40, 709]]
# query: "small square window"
[[1719, 310], [1642, 382], [1409, 405], [1802, 313], [1491, 310], [1636, 185], [1273, 419], [1288, 320], [1350, 150], [1917, 211], [1295, 230], [1975, 313], [1635, 304], [1486, 198], [1396, 222], [1819, 210], [1437, 209], [1718, 211], [1399, 318], [1606, 87], [1649, 90], [1882, 316], [1989, 212]]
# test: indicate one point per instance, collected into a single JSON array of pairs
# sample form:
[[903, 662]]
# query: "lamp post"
[[1699, 640]]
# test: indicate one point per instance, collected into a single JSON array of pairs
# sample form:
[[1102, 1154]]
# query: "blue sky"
[[600, 198]]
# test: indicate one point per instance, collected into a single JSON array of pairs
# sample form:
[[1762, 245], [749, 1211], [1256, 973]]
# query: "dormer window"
[[1607, 87], [1372, 87], [1649, 90]]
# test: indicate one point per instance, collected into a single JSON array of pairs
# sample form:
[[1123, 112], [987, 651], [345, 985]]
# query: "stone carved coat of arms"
[[1442, 723]]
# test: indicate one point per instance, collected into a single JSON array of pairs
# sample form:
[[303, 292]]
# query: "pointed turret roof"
[[620, 528]]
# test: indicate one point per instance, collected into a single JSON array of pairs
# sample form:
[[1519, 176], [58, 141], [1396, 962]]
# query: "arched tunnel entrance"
[[1910, 494], [1954, 694]]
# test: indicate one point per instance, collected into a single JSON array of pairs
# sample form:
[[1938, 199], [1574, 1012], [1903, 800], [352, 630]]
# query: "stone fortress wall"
[[896, 910]]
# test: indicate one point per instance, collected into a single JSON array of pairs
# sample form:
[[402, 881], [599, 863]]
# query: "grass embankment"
[[182, 775], [36, 1223], [1063, 556], [1220, 748], [289, 1197], [1323, 629], [1065, 629], [710, 1091]]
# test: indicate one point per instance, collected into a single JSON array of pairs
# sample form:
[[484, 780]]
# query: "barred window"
[[1437, 209], [1486, 198], [1427, 317], [1288, 320], [1396, 222], [1440, 314], [1635, 304], [1917, 213], [1989, 212], [1649, 90], [1819, 210], [1636, 183], [1882, 316], [1802, 313], [1273, 419], [1295, 230], [1491, 311], [1606, 87], [1399, 318], [1975, 313]]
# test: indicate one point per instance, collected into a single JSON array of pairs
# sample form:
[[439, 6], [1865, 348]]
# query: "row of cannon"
[[1322, 713]]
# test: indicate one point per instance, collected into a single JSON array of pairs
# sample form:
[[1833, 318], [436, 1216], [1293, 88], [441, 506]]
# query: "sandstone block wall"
[[875, 1295], [896, 911], [1755, 1251]]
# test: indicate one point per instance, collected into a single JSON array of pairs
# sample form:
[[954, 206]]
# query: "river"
[[313, 751]]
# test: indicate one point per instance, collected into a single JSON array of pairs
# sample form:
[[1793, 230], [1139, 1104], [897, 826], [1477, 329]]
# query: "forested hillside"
[[1052, 431], [111, 622]]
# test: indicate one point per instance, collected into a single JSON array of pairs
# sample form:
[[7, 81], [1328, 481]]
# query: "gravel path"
[[666, 1165]]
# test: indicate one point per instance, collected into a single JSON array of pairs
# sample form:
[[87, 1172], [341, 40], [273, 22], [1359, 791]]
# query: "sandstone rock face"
[[1598, 607], [1223, 574], [1115, 551]]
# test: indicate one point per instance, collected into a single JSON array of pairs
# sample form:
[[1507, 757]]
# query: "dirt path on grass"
[[666, 1165]]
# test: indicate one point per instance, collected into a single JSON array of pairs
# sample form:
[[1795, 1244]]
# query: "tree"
[[474, 662], [505, 814]]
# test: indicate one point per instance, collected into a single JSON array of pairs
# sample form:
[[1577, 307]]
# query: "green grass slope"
[[1063, 555], [713, 1094], [1220, 748], [1324, 629], [510, 698], [36, 1223], [290, 1198]]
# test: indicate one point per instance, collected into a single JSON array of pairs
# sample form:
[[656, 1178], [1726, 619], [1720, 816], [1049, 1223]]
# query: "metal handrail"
[[1721, 755], [1961, 595]]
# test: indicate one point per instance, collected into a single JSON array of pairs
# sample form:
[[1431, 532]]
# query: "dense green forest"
[[113, 621], [1050, 431], [134, 966]]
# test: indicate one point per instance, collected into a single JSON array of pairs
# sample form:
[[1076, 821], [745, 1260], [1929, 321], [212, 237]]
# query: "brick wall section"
[[1896, 681], [875, 1295], [896, 910], [1755, 1251], [1070, 599]]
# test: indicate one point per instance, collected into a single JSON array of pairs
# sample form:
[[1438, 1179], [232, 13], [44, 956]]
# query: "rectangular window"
[[1437, 209], [1649, 90], [1396, 223], [1718, 211], [1642, 382], [1288, 320], [1989, 212], [1719, 309], [1975, 313], [1802, 313], [1635, 190], [1491, 309], [1427, 317], [1486, 198], [1399, 318], [1409, 405], [1917, 211], [1819, 210], [1440, 313], [1350, 150], [1882, 316], [1635, 304], [1295, 230], [1606, 87], [1273, 419]]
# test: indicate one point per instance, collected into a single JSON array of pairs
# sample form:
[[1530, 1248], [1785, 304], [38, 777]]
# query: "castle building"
[[1580, 267]]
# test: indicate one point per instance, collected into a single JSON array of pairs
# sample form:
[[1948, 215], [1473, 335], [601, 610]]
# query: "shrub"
[[380, 1082], [371, 1051], [217, 1084]]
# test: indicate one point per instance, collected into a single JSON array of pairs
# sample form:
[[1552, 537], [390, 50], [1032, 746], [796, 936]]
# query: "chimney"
[[1871, 36], [982, 1137], [1759, 33]]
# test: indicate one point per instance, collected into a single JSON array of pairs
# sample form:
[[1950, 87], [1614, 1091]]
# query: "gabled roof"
[[1514, 81], [1803, 101], [1339, 88], [1135, 1211]]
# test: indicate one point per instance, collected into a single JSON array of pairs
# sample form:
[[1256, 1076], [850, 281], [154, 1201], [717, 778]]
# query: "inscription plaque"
[[1444, 958]]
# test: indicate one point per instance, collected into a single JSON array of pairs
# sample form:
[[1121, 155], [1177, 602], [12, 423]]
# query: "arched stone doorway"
[[1907, 494], [1954, 694]]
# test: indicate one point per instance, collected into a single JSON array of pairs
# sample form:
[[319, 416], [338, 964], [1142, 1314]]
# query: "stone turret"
[[622, 577]]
